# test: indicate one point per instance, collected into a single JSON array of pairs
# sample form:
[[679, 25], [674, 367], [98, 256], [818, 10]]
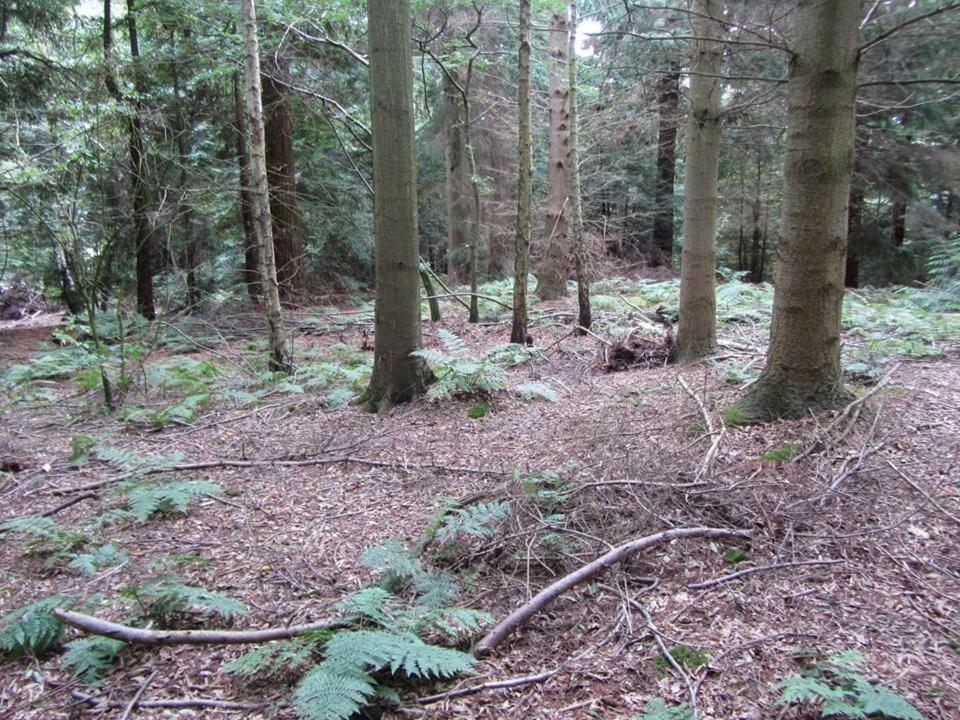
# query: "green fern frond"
[[530, 391], [132, 462], [32, 629], [372, 603], [374, 650], [656, 709], [146, 499], [481, 520], [89, 658], [165, 595], [453, 343], [273, 659], [102, 557], [396, 563], [326, 693], [457, 623]]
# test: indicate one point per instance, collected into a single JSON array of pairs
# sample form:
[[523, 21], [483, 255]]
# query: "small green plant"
[[836, 688], [734, 556], [102, 557], [781, 454], [164, 596], [656, 709], [458, 373], [685, 656], [530, 391], [478, 411], [274, 659], [32, 629], [734, 416], [80, 447], [481, 520], [148, 498], [44, 536], [90, 658]]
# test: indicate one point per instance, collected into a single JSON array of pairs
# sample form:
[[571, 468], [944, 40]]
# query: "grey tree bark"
[[279, 358], [458, 185], [397, 375], [248, 223], [518, 332], [555, 258], [803, 361], [580, 258], [697, 332], [661, 252]]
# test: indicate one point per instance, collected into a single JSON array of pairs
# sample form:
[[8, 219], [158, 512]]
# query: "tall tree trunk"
[[182, 131], [756, 234], [851, 275], [581, 261], [518, 331], [251, 260], [668, 105], [555, 259], [284, 208], [697, 333], [398, 376], [898, 222], [279, 358], [458, 184], [803, 360]]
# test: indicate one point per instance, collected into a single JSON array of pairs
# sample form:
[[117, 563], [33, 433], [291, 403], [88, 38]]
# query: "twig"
[[707, 464], [688, 681], [69, 503], [141, 636], [136, 697], [762, 568], [173, 703], [493, 685], [539, 601], [587, 331]]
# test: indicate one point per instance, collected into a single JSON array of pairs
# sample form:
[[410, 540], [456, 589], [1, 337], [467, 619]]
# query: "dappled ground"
[[858, 512]]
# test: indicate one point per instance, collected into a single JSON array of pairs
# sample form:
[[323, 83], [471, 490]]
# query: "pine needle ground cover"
[[303, 501]]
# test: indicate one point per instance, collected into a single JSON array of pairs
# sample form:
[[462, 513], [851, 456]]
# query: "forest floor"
[[569, 459]]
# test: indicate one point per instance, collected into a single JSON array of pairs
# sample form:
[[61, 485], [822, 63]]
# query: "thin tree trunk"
[[668, 103], [248, 223], [898, 222], [756, 236], [398, 376], [182, 130], [580, 258], [803, 361], [281, 177], [555, 259], [458, 183], [279, 359], [851, 277], [697, 333], [518, 332]]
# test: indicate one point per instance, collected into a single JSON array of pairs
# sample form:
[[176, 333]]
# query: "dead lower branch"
[[539, 601]]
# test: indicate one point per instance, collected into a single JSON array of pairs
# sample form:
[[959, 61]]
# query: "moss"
[[735, 415], [685, 656], [734, 556], [781, 454]]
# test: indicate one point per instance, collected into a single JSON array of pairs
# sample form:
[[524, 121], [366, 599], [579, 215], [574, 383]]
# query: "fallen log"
[[550, 593]]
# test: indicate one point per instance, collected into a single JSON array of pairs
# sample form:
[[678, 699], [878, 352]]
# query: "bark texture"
[[397, 375], [279, 359], [459, 223], [281, 177], [803, 360], [669, 101], [580, 257], [518, 332], [696, 332], [555, 258], [245, 205]]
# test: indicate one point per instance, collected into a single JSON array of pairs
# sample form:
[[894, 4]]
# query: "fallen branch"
[[172, 703], [762, 568], [538, 602], [142, 636], [493, 685], [707, 464], [135, 700], [69, 503], [468, 294]]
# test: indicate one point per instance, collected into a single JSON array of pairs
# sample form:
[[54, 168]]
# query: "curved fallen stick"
[[143, 636], [550, 593]]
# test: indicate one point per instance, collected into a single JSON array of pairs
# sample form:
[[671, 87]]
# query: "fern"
[[372, 603], [477, 521], [166, 595], [273, 659], [655, 709], [45, 536], [459, 375], [102, 557], [144, 500], [32, 629], [530, 391], [326, 693], [90, 658], [840, 691], [129, 461]]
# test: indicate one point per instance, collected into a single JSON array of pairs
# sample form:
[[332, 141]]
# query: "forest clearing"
[[480, 359]]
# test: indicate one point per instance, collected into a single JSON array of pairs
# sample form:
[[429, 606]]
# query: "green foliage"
[[146, 499], [781, 454], [273, 659], [32, 629], [537, 391], [182, 412], [89, 658], [734, 556], [685, 656], [478, 410], [459, 375], [734, 416], [80, 447], [482, 520], [656, 709], [131, 462], [164, 596], [44, 536], [343, 683], [837, 689], [102, 557]]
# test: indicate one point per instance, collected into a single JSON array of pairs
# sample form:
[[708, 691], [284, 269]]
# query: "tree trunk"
[[398, 376], [669, 100], [803, 361], [518, 332], [248, 224], [898, 222], [581, 261], [458, 185], [555, 258], [284, 208], [756, 237], [697, 333], [851, 275], [279, 359], [182, 131]]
